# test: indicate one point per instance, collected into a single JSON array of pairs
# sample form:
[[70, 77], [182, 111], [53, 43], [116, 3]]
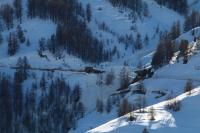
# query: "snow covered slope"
[[171, 78], [184, 121], [118, 22], [121, 24], [194, 4]]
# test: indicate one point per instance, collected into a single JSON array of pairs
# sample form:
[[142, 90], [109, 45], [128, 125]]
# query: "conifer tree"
[[6, 111], [20, 34], [18, 9], [88, 12], [13, 45], [6, 12]]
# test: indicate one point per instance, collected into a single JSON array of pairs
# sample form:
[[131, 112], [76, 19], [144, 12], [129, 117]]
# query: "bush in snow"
[[145, 130], [124, 78], [188, 87], [108, 105], [131, 116], [110, 77], [152, 114], [174, 105], [183, 47], [99, 106]]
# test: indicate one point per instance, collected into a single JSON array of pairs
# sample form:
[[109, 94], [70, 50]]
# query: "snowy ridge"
[[170, 78], [163, 118], [188, 35]]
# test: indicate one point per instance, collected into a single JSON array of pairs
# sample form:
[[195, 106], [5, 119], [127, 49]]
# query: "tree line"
[[72, 34], [180, 6], [47, 106], [167, 46], [137, 6], [9, 12]]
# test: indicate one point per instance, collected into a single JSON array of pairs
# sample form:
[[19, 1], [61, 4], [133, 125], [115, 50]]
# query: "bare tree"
[[145, 130], [99, 106], [188, 86], [124, 108], [110, 77], [152, 114], [124, 78]]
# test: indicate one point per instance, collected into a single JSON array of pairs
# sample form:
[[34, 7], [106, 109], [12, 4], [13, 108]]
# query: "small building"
[[143, 73], [92, 70]]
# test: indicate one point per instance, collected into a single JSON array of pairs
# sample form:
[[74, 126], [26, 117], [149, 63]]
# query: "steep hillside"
[[121, 24], [165, 120], [116, 20], [167, 82], [69, 65]]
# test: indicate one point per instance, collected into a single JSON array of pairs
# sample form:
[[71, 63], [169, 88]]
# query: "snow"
[[165, 120], [6, 1], [34, 30], [118, 21], [194, 4], [171, 81], [188, 35], [171, 78]]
